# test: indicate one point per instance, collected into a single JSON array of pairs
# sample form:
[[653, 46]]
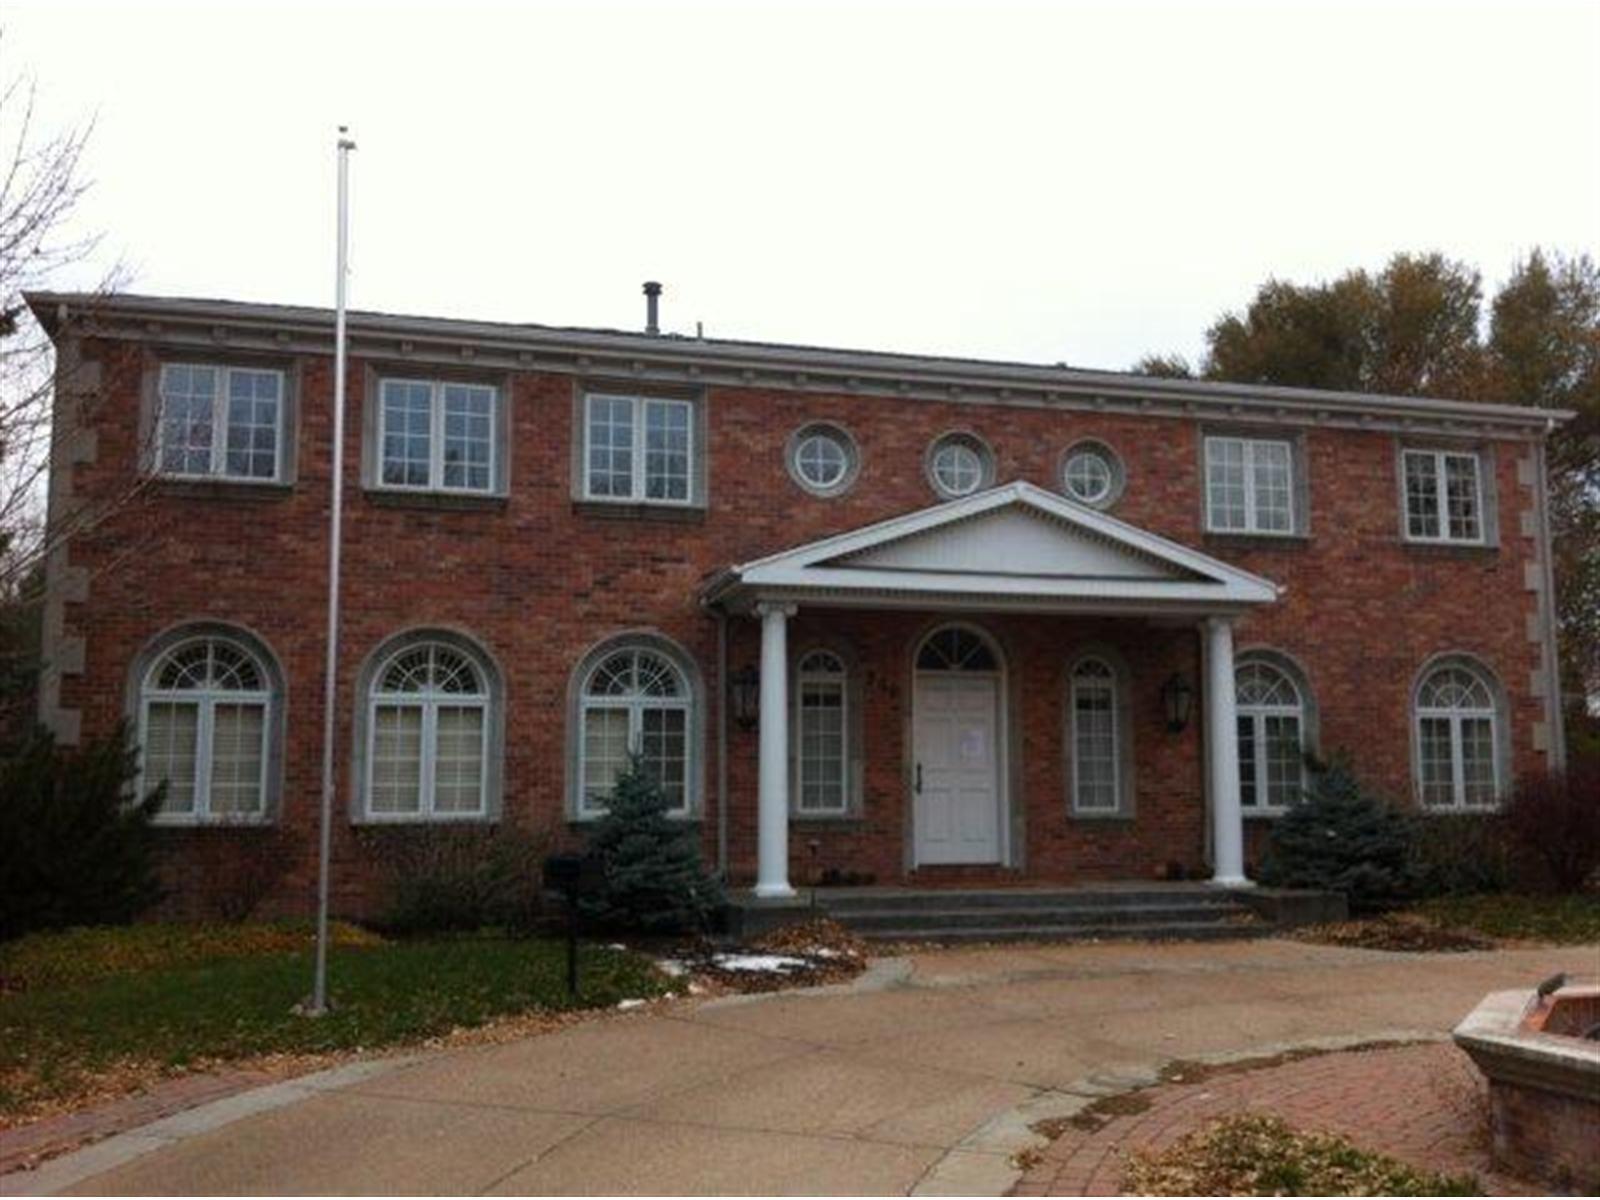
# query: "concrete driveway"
[[923, 1080]]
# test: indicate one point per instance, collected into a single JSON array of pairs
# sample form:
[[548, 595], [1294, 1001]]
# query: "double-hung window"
[[1249, 486], [427, 736], [219, 422], [1457, 742], [635, 703], [1444, 496], [437, 435], [638, 448], [204, 717]]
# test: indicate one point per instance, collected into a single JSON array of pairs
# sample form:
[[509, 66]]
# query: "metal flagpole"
[[319, 989]]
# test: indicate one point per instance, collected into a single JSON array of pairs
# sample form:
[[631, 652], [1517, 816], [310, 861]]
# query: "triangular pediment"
[[1016, 539], [1012, 546]]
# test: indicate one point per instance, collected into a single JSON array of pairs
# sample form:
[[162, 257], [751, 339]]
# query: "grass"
[[1256, 1155], [1572, 919], [87, 1003]]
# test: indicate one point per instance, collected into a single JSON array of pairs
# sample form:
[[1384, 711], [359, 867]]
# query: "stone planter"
[[1544, 1082]]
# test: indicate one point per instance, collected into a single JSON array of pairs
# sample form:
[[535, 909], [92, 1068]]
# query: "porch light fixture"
[[1177, 695], [744, 693]]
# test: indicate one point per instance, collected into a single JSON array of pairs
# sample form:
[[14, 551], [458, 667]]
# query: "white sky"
[[1079, 182]]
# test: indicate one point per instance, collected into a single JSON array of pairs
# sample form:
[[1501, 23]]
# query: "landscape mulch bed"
[[807, 954], [1396, 931]]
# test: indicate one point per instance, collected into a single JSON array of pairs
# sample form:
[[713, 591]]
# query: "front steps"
[[1043, 914]]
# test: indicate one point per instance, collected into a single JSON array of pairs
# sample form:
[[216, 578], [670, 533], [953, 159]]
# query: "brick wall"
[[537, 581]]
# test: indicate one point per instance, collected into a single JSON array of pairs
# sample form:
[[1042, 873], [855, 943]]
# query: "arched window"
[[1272, 731], [1457, 737], [822, 761], [428, 727], [634, 700], [206, 707], [956, 649], [1096, 765]]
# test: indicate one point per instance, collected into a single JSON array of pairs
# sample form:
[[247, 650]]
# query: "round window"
[[1090, 474], [822, 459], [958, 466]]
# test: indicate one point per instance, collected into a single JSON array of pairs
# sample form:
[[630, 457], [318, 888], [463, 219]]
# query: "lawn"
[[1572, 919], [80, 1007]]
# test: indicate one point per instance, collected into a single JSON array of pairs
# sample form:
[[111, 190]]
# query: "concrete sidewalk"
[[925, 1084]]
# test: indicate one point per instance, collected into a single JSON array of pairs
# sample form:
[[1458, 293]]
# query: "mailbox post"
[[572, 875]]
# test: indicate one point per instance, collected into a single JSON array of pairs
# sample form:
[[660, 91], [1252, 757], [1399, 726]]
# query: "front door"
[[956, 772]]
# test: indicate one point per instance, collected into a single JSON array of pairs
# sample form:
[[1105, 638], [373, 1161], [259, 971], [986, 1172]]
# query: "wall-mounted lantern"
[[1177, 697], [744, 694]]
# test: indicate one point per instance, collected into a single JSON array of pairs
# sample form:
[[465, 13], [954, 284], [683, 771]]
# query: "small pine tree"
[[74, 850], [1342, 839], [654, 879]]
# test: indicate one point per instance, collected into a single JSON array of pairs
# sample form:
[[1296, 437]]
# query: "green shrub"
[[1340, 838], [654, 879], [74, 849], [443, 879], [1463, 854]]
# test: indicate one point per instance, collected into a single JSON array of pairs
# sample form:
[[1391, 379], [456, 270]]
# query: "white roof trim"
[[822, 570]]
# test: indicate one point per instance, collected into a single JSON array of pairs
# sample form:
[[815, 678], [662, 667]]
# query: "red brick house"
[[913, 617]]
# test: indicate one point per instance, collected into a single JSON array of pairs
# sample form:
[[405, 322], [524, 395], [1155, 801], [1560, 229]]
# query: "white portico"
[[1012, 549]]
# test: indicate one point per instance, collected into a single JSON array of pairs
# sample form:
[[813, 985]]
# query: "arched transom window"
[[1456, 739], [822, 762], [1096, 769], [1271, 716], [428, 735], [204, 720], [635, 701], [956, 649]]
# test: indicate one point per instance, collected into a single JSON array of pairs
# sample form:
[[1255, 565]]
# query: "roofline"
[[763, 364]]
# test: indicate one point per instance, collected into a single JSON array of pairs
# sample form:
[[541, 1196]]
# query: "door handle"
[[919, 779]]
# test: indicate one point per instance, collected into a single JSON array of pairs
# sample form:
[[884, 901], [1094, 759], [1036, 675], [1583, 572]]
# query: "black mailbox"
[[572, 873]]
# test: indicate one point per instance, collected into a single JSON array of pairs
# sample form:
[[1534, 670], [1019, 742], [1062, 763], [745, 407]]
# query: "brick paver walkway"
[[1424, 1105], [28, 1145]]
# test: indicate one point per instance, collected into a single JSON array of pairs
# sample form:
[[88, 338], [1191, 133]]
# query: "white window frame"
[[637, 408], [430, 700], [1109, 682], [1252, 521], [1258, 714], [436, 437], [1455, 717], [841, 680], [219, 423], [635, 705], [1441, 501], [206, 700]]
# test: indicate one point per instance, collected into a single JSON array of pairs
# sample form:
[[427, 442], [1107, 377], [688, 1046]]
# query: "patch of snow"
[[826, 952], [671, 966], [630, 1003], [615, 946], [759, 962]]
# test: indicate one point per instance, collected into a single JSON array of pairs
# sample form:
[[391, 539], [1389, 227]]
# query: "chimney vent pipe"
[[652, 307]]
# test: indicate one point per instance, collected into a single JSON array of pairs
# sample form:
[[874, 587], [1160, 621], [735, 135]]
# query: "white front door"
[[956, 772]]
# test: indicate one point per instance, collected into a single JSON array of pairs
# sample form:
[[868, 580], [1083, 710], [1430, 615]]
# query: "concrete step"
[[1153, 932], [885, 900], [950, 916]]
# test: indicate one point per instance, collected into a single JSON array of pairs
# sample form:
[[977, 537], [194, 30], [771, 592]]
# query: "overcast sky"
[[1047, 182]]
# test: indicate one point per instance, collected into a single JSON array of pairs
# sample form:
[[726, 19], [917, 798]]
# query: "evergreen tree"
[[1342, 839], [73, 849], [654, 879]]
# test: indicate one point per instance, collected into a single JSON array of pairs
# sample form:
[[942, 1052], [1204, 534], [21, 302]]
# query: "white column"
[[1227, 821], [772, 868]]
